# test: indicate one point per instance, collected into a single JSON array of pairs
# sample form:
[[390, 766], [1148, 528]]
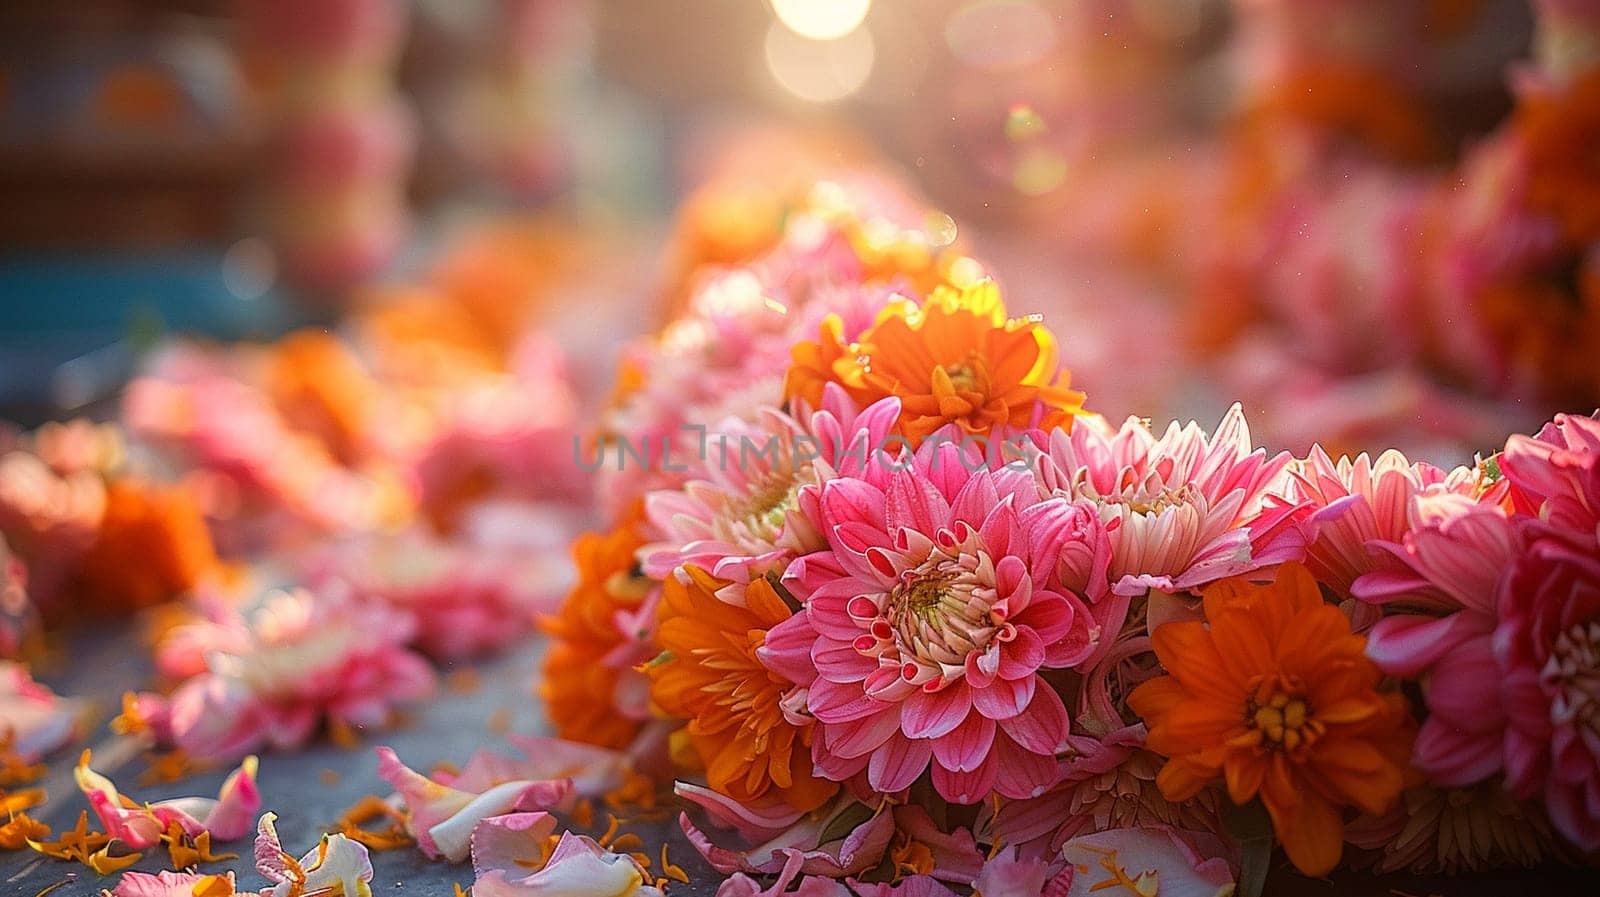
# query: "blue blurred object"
[[72, 325]]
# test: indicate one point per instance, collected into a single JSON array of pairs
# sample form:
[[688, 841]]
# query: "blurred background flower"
[[1373, 224]]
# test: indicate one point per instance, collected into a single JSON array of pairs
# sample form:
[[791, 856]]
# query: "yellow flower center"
[[932, 620], [1162, 500], [766, 507], [628, 586], [962, 377], [922, 596], [1283, 717]]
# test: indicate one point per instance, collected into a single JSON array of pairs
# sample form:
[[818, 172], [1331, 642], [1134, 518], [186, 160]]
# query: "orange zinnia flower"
[[955, 359], [813, 365], [1276, 696], [503, 274], [321, 388], [419, 339], [1547, 322], [1358, 104], [590, 688], [152, 546], [709, 674], [1560, 130]]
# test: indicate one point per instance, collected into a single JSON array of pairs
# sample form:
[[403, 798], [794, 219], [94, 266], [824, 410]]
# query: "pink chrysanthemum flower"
[[195, 404], [1548, 650], [929, 626], [465, 597], [19, 619], [503, 435], [742, 516], [278, 670], [1182, 510], [1556, 473], [1105, 784], [1357, 501], [33, 720], [1500, 614], [1441, 599], [1453, 831], [725, 358]]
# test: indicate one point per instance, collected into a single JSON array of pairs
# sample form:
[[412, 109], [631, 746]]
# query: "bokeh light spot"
[[1038, 172], [249, 269], [821, 19], [1023, 123], [1000, 34], [941, 229], [819, 71]]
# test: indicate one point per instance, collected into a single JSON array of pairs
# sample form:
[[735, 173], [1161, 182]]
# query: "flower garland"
[[924, 580]]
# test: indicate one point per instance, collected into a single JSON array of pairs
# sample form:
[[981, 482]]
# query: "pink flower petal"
[[1041, 728], [898, 763], [964, 748], [1004, 699], [935, 714]]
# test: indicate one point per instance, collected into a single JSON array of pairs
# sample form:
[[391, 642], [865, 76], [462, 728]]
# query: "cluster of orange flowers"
[[955, 358], [589, 670], [709, 674], [94, 534]]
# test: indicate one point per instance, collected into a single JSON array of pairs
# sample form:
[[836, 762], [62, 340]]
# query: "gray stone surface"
[[308, 788]]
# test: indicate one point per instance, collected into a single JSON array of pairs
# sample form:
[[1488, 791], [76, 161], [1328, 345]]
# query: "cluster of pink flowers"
[[972, 624], [725, 354], [944, 599], [204, 407], [894, 614], [1491, 597], [460, 598], [272, 673], [865, 626]]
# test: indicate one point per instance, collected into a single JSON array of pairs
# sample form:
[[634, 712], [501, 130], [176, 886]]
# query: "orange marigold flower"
[[1276, 696], [723, 223], [1547, 322], [829, 359], [1560, 129], [19, 829], [418, 339], [956, 359], [504, 273], [321, 388], [709, 674], [152, 546], [1350, 102], [592, 692]]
